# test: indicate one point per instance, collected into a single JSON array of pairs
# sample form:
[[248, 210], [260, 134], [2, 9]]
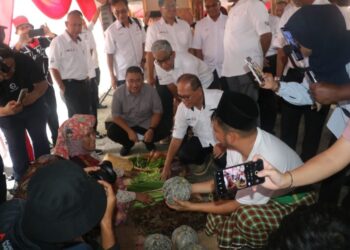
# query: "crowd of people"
[[197, 91]]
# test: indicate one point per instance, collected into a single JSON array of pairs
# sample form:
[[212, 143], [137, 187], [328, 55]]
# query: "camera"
[[3, 67], [105, 173]]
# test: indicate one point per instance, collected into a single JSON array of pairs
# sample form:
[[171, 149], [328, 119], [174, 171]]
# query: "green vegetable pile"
[[148, 181]]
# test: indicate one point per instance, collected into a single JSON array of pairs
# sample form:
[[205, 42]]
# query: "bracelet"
[[291, 179]]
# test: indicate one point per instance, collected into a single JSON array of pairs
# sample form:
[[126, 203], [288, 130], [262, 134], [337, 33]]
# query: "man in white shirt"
[[247, 34], [176, 31], [208, 39], [169, 66], [124, 43], [196, 107], [235, 127], [69, 67]]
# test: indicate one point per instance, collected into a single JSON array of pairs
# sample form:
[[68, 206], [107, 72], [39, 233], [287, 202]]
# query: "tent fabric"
[[6, 12], [56, 9]]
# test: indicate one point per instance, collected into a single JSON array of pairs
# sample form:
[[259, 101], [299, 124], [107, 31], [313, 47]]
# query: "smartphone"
[[229, 180], [22, 94], [255, 69], [36, 32], [293, 44]]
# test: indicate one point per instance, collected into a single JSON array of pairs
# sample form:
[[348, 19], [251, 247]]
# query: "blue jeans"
[[33, 119]]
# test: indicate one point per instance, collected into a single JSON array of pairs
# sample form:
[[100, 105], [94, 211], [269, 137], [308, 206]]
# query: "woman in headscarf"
[[76, 142]]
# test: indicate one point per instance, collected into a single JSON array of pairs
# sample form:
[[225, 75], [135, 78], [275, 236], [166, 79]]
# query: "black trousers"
[[314, 122], [166, 98], [267, 101], [244, 84], [192, 152], [52, 117], [77, 97], [119, 135], [93, 88], [218, 82], [3, 189], [290, 120]]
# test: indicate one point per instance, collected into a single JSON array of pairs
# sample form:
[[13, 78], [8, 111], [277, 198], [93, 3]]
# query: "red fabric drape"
[[55, 9], [6, 12]]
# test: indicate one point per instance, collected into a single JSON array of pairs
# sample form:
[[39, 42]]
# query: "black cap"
[[238, 111]]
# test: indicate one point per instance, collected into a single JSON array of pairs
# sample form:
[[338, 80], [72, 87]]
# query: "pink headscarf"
[[70, 135]]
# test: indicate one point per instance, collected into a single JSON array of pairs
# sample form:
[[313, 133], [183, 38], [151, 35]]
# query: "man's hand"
[[325, 93], [151, 82], [144, 198], [148, 136], [219, 150], [47, 31], [132, 136], [114, 82], [180, 205], [166, 173], [13, 107]]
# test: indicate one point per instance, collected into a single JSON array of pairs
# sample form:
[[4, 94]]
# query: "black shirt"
[[26, 74]]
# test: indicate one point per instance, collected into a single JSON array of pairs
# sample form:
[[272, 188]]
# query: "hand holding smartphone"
[[22, 95], [256, 70], [229, 180], [36, 32]]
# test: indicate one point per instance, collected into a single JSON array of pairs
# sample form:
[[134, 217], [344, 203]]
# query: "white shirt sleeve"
[[197, 41], [55, 55], [295, 93], [180, 124], [150, 37], [259, 18], [110, 47]]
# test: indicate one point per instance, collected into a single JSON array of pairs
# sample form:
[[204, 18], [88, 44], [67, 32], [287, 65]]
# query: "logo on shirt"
[[267, 23], [13, 87]]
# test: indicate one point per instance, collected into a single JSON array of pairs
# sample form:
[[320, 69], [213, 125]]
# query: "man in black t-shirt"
[[34, 47], [16, 117]]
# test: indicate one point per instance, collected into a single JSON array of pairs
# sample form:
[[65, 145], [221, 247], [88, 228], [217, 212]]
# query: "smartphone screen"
[[295, 47], [256, 70], [36, 32], [231, 179]]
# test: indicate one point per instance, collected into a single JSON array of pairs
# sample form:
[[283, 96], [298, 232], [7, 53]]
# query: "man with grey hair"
[[176, 31], [169, 66]]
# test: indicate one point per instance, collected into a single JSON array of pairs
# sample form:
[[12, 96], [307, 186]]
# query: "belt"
[[74, 80]]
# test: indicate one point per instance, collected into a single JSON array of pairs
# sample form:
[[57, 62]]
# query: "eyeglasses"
[[187, 97], [164, 60]]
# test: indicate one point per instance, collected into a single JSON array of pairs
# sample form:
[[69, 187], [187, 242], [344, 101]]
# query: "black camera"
[[105, 173], [3, 67]]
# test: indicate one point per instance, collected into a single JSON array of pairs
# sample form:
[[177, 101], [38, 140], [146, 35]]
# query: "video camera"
[[3, 67], [105, 173]]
